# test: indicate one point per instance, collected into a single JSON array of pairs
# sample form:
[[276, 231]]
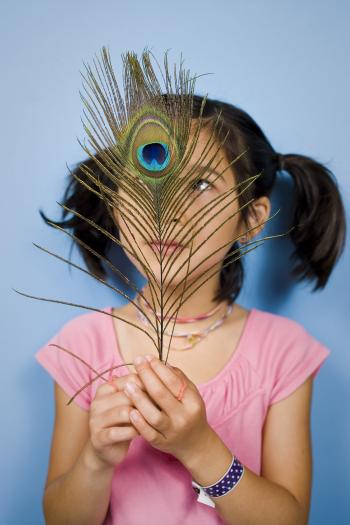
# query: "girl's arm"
[[81, 496], [87, 446], [78, 486], [281, 495]]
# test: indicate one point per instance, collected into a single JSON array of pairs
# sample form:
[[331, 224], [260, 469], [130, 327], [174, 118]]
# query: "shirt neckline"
[[234, 356]]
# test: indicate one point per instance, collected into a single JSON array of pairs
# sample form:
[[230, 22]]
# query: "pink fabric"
[[275, 355]]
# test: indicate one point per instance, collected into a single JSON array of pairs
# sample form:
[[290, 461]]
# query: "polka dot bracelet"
[[227, 483]]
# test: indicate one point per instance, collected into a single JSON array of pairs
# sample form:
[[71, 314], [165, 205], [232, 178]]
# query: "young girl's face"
[[203, 192]]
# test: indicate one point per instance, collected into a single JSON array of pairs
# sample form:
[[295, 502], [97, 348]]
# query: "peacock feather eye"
[[153, 156], [150, 145]]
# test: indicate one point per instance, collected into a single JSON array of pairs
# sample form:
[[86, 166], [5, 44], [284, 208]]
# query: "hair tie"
[[181, 391]]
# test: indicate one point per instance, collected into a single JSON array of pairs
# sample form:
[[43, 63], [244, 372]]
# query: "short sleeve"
[[69, 371], [300, 356]]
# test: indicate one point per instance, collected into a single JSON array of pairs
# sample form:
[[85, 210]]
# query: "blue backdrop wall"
[[286, 63]]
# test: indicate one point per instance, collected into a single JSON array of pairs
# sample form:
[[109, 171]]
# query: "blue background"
[[287, 64]]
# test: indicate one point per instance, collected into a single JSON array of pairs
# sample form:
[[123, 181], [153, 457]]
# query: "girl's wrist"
[[93, 462], [210, 460]]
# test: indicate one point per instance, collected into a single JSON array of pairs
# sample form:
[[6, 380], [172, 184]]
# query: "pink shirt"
[[274, 356]]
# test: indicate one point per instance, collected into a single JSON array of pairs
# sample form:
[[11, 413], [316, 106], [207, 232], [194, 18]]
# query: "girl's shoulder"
[[80, 349], [283, 351], [276, 326], [86, 322]]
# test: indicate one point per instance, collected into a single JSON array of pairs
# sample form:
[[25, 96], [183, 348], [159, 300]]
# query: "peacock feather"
[[143, 143]]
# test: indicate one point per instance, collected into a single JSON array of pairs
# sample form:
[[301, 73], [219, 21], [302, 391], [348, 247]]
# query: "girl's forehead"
[[219, 162]]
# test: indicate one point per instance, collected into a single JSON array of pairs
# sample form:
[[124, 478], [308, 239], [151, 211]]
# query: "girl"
[[232, 414]]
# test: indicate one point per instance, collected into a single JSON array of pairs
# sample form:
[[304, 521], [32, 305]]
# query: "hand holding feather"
[[175, 427]]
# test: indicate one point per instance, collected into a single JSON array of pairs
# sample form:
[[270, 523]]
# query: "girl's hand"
[[176, 427], [110, 429]]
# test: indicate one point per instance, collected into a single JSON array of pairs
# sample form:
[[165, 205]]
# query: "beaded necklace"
[[191, 338]]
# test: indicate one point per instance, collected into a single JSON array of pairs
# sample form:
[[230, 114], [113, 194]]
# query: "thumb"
[[177, 371], [180, 374]]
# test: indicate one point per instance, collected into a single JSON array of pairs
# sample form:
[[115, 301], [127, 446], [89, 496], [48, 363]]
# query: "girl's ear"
[[259, 212]]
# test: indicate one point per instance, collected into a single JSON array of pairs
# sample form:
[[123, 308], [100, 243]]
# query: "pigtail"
[[88, 204], [319, 218]]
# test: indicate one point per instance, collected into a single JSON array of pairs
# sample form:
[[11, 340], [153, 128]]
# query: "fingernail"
[[150, 357], [131, 387], [139, 360], [134, 415]]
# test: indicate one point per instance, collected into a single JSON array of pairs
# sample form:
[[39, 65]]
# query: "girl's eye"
[[201, 181]]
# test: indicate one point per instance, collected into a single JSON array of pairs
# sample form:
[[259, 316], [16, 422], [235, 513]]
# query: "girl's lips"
[[166, 244]]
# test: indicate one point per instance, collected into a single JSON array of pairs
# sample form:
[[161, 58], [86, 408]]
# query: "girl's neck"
[[198, 303], [215, 312]]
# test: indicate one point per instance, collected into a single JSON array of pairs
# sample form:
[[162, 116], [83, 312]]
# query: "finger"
[[177, 371], [140, 399], [149, 433], [105, 389], [113, 416], [111, 395], [166, 371], [116, 384], [113, 400], [186, 383], [121, 381], [108, 436], [162, 384]]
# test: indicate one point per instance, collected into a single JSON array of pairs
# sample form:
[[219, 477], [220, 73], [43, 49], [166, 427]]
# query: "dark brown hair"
[[319, 217]]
